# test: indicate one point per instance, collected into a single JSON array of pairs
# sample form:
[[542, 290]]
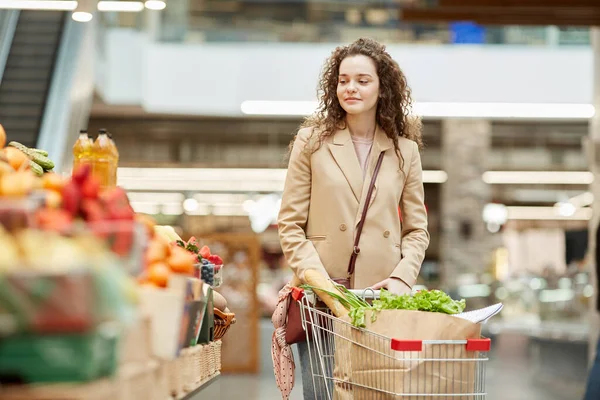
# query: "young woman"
[[364, 111]]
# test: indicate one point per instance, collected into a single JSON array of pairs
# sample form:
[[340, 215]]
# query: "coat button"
[[386, 234], [343, 227]]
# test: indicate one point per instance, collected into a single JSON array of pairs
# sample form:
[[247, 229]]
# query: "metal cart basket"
[[351, 363]]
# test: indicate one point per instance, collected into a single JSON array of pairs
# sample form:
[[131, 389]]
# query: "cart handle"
[[484, 344], [368, 293]]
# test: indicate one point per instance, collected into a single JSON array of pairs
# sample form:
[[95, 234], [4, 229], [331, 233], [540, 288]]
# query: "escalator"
[[28, 73]]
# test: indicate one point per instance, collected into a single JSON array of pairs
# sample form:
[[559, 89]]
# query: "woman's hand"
[[393, 285]]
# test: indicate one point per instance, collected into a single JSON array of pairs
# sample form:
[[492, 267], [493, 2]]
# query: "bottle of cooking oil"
[[82, 149], [114, 160], [101, 156]]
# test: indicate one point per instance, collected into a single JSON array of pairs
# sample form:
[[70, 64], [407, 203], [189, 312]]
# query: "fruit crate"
[[58, 358], [209, 273]]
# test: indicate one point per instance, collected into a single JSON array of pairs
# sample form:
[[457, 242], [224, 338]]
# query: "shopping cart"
[[351, 363]]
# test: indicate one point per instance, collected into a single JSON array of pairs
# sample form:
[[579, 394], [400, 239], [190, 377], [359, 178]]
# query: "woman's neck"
[[361, 126]]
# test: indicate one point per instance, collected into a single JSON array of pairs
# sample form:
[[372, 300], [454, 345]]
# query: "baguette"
[[316, 279]]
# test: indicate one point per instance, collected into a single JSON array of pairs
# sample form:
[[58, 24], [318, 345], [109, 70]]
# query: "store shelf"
[[197, 394]]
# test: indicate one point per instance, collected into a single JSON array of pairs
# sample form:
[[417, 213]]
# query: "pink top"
[[363, 150]]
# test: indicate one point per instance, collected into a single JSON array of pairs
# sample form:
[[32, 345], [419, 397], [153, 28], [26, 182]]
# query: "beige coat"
[[323, 199]]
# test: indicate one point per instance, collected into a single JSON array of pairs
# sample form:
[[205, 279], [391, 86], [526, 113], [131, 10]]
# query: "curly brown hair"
[[393, 107]]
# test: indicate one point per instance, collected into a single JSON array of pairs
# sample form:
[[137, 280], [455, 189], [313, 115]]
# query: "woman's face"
[[358, 85]]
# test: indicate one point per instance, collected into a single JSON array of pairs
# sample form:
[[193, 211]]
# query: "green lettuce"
[[423, 300]]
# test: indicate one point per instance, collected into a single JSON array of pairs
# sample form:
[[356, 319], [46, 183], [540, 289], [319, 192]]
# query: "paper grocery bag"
[[367, 368]]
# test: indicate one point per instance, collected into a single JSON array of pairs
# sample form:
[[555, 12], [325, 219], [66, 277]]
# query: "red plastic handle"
[[407, 345], [297, 293], [479, 344]]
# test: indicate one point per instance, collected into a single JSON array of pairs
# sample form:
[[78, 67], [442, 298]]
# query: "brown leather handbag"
[[294, 332]]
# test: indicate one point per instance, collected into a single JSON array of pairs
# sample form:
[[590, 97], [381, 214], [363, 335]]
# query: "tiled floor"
[[513, 373]]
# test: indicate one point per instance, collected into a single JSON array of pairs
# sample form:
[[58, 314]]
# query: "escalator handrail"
[[8, 25]]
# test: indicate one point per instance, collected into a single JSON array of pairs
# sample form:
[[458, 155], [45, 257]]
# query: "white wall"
[[120, 63], [214, 79]]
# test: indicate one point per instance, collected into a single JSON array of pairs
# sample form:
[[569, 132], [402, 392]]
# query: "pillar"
[[593, 151], [465, 240]]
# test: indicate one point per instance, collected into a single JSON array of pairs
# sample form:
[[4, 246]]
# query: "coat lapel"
[[343, 152], [381, 143]]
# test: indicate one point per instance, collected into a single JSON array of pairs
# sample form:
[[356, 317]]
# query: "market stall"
[[97, 302]]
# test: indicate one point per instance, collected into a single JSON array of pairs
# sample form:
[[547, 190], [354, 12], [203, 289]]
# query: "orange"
[[2, 137], [16, 158], [53, 181], [53, 199], [181, 261], [5, 168], [158, 274], [156, 251], [17, 184]]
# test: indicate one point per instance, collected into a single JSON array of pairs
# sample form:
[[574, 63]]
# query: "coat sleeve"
[[299, 252], [415, 237]]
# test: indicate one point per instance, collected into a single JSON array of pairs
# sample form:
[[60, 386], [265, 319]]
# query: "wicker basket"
[[223, 322], [175, 376]]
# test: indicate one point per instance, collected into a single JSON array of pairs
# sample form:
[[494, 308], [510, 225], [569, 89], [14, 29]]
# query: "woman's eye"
[[342, 81], [364, 82]]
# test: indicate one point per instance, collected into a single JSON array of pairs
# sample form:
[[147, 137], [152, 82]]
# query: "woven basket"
[[223, 322], [175, 376], [136, 381], [191, 368]]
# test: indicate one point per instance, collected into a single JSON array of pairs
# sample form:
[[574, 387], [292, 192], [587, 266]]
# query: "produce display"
[[38, 159], [21, 168], [71, 289], [167, 253]]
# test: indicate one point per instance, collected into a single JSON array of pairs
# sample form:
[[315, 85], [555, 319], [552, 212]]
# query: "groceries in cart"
[[392, 347], [423, 300]]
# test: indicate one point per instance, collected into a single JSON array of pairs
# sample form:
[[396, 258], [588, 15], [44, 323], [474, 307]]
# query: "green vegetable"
[[42, 152], [43, 161], [423, 300], [39, 171]]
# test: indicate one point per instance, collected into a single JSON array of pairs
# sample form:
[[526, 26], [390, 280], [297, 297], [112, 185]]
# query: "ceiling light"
[[190, 205], [155, 5], [433, 176], [538, 177], [566, 209], [546, 213], [120, 6], [440, 109], [81, 16], [504, 110], [84, 11], [495, 213], [38, 5], [218, 179]]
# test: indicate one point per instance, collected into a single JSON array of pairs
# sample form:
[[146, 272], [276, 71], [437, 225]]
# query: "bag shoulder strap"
[[361, 223]]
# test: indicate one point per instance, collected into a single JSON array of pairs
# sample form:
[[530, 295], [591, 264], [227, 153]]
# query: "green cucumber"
[[42, 152], [36, 168], [42, 161]]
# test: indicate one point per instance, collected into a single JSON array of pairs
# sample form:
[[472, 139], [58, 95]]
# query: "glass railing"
[[217, 21]]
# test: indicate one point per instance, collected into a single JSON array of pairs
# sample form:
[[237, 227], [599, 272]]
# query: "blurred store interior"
[[204, 96]]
